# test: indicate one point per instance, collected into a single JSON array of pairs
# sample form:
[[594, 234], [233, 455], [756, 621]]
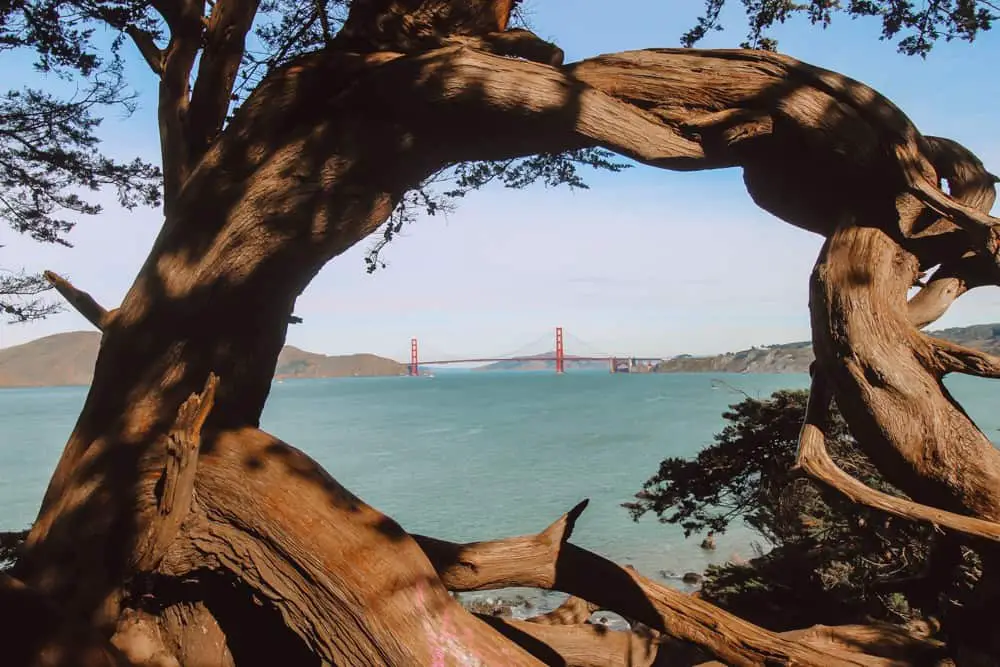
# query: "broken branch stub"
[[174, 490]]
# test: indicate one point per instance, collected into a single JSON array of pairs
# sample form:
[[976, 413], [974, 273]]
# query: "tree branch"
[[970, 183], [185, 20], [150, 52], [224, 45], [548, 561], [501, 563], [814, 459], [84, 304], [949, 357]]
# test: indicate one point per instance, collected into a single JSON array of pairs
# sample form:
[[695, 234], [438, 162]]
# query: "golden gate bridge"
[[616, 363]]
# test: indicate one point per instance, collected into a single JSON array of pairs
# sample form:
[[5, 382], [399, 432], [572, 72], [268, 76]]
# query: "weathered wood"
[[548, 561], [318, 158], [174, 488], [814, 459]]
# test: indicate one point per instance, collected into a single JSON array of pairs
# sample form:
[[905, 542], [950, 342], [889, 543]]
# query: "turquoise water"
[[471, 456]]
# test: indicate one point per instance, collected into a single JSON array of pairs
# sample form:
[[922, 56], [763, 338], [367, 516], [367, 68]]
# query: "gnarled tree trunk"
[[178, 530]]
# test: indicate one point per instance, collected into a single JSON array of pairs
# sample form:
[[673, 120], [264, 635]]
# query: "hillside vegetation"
[[796, 357]]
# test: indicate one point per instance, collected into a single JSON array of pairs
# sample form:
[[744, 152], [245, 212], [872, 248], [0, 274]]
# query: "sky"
[[645, 262]]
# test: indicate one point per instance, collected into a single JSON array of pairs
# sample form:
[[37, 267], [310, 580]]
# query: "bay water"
[[470, 456]]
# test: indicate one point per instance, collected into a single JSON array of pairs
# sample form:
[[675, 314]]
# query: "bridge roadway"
[[487, 360]]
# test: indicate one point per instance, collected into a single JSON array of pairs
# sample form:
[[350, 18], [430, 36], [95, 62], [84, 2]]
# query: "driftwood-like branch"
[[814, 459], [581, 645], [175, 488], [548, 561], [84, 304]]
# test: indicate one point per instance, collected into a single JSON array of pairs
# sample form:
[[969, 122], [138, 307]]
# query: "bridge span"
[[616, 363]]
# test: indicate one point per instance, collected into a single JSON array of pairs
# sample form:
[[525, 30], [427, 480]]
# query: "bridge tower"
[[560, 369], [414, 358]]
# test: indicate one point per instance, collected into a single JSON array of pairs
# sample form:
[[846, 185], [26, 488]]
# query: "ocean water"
[[475, 456]]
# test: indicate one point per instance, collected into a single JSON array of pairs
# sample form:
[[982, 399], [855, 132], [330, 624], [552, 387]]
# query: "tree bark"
[[315, 160]]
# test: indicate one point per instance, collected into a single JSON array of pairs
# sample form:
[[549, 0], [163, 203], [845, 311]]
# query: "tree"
[[174, 529], [49, 148], [831, 561]]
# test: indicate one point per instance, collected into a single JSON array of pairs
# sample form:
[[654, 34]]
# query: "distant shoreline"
[[67, 360]]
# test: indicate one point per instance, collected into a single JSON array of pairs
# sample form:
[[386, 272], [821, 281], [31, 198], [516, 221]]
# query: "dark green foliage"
[[21, 296], [918, 26], [50, 155], [842, 560], [10, 544]]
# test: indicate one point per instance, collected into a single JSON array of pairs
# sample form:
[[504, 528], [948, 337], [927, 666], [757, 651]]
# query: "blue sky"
[[623, 266]]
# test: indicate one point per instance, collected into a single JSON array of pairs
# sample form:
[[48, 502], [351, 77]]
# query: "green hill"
[[796, 357]]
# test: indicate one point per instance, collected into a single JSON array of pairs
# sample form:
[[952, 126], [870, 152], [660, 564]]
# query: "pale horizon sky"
[[646, 262]]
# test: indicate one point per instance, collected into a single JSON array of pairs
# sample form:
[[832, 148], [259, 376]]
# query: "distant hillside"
[[61, 359], [296, 363], [544, 364], [68, 359], [796, 357]]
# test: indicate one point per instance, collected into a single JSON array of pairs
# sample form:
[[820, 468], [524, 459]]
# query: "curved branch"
[[540, 561], [887, 378], [814, 458], [968, 182]]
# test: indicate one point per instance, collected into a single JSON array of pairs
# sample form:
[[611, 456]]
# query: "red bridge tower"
[[560, 369]]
